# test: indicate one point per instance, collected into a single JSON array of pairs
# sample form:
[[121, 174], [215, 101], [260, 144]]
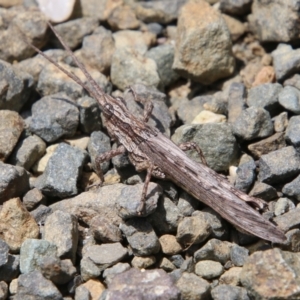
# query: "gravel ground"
[[222, 74]]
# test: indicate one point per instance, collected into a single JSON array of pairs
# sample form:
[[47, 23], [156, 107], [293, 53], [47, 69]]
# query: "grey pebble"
[[254, 122], [265, 96], [283, 205], [34, 285], [193, 230], [235, 7], [89, 115], [73, 32], [163, 55], [141, 237], [214, 250], [177, 260], [61, 229], [263, 191], [14, 182], [52, 118], [236, 101], [225, 291], [292, 134], [147, 285], [238, 255], [188, 265], [32, 253], [4, 249], [33, 198], [279, 166], [88, 269], [155, 28], [216, 141], [166, 217], [208, 269], [192, 287], [245, 176], [62, 172], [28, 151], [82, 293], [129, 200], [288, 220], [15, 87], [110, 273], [286, 61], [280, 122], [187, 204], [289, 98], [99, 143], [10, 269], [292, 188], [41, 213], [166, 265]]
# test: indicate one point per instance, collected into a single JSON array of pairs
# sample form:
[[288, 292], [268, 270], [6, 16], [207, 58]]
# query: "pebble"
[[187, 204], [14, 182], [245, 176], [110, 273], [289, 99], [146, 284], [16, 224], [279, 165], [3, 290], [206, 116], [208, 269], [3, 252], [193, 230], [231, 276], [95, 288], [267, 145], [130, 67], [11, 127], [239, 7], [192, 287], [65, 165], [281, 122], [166, 265], [265, 96], [254, 122], [169, 244], [238, 255], [199, 24], [143, 262], [258, 282], [292, 81], [61, 229], [291, 134], [292, 188], [283, 205], [265, 75], [214, 250], [285, 61], [288, 220], [216, 141], [229, 292], [141, 237], [52, 119], [263, 191], [235, 27]]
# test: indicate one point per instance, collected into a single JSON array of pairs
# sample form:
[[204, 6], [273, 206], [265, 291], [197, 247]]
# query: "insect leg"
[[193, 146]]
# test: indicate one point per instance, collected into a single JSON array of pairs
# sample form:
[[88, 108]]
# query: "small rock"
[[106, 255], [235, 7], [288, 220], [231, 277], [56, 11], [193, 230], [283, 205], [265, 96], [270, 144], [293, 188], [253, 123], [143, 262], [16, 224], [3, 253], [148, 284], [61, 229], [123, 17], [187, 204], [14, 182], [281, 122], [235, 27], [82, 293], [177, 260], [198, 22], [245, 176], [166, 265], [169, 244], [260, 271], [33, 198], [279, 165], [3, 290], [13, 287], [289, 98], [95, 288], [224, 291], [110, 273], [138, 69], [286, 61], [41, 213], [11, 269], [265, 75], [33, 285], [33, 252], [216, 141], [141, 237], [193, 287], [236, 101], [292, 132], [238, 255], [27, 152], [208, 269], [206, 116], [62, 172], [214, 250], [287, 13], [263, 191], [88, 269], [293, 81], [11, 127]]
